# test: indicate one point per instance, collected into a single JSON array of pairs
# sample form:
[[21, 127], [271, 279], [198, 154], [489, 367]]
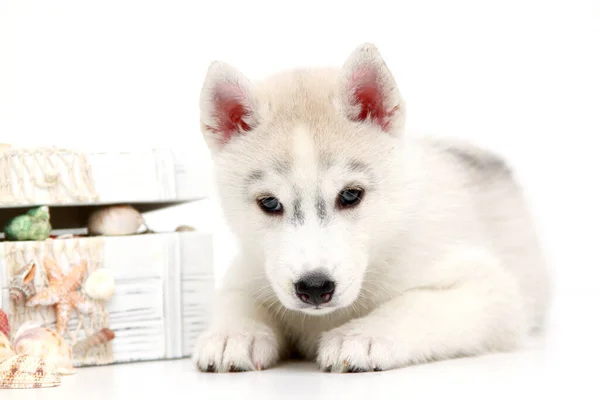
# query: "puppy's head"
[[305, 168]]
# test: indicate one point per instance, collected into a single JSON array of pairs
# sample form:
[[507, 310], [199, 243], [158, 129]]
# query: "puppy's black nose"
[[315, 289]]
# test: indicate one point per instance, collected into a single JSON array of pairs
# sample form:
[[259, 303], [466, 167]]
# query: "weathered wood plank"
[[197, 287]]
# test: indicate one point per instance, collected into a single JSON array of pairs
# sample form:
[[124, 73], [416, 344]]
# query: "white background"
[[521, 77]]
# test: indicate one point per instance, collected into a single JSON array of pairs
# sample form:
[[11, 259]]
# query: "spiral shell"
[[101, 337], [21, 286]]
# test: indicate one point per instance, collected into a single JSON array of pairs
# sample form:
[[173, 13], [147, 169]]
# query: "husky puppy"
[[360, 247]]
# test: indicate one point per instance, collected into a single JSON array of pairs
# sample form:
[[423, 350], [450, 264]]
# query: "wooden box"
[[164, 280]]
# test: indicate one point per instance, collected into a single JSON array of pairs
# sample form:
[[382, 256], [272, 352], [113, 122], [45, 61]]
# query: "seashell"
[[44, 342], [103, 336], [6, 349], [115, 221], [25, 326], [33, 225], [185, 228], [21, 286], [4, 325], [100, 285], [27, 372]]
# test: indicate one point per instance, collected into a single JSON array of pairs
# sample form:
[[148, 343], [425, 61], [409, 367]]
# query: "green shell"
[[42, 213], [34, 225]]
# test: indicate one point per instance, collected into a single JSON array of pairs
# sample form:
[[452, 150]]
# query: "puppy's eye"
[[270, 205], [349, 198]]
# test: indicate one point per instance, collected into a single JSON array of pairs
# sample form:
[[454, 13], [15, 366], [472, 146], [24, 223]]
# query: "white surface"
[[564, 367]]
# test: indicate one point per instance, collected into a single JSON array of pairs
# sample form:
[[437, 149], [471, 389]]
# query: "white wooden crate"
[[164, 280], [163, 295]]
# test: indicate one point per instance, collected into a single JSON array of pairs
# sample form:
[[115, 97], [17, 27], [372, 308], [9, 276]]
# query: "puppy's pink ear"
[[369, 91], [228, 105]]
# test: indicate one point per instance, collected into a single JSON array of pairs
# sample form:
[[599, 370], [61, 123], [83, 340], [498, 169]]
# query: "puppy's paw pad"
[[354, 369], [233, 368]]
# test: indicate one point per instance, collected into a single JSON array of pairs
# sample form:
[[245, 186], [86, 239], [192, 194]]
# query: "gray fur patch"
[[358, 166], [479, 160], [321, 206], [298, 214], [255, 175], [282, 167]]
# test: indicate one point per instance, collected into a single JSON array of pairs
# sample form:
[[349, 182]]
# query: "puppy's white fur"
[[440, 258]]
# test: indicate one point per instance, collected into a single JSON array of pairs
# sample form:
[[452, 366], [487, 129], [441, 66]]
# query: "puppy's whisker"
[[261, 290]]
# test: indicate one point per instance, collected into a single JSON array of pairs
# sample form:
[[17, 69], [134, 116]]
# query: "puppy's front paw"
[[249, 347], [350, 348]]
